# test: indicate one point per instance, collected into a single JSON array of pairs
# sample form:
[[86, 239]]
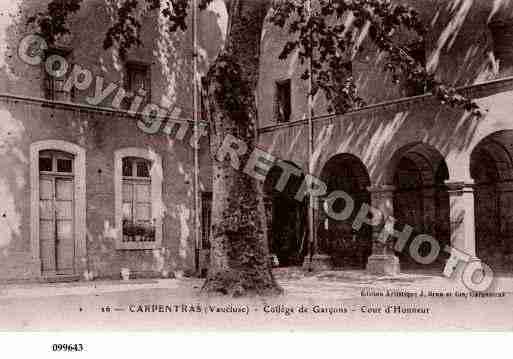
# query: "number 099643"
[[68, 347]]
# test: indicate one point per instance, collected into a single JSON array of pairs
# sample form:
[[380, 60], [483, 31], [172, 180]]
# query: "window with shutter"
[[54, 86], [138, 80], [282, 101], [139, 210], [138, 224]]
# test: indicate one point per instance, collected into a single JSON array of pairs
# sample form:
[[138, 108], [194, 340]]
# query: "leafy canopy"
[[327, 35]]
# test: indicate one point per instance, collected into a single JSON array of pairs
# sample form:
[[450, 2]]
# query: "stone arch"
[[498, 147], [347, 247], [418, 173], [491, 167], [286, 217], [79, 208], [428, 157]]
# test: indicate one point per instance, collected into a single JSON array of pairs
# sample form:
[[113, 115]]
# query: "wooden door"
[[56, 232], [487, 222], [408, 210], [47, 224]]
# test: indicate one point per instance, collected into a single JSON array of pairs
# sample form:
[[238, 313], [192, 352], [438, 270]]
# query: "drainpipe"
[[197, 204], [311, 229]]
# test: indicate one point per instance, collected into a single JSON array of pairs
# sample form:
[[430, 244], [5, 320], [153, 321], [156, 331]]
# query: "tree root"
[[242, 284]]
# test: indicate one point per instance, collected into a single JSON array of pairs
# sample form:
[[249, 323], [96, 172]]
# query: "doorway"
[[56, 212]]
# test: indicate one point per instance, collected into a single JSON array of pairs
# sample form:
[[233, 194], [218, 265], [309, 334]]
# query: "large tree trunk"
[[239, 255]]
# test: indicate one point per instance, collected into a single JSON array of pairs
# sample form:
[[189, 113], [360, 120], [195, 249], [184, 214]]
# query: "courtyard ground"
[[335, 300]]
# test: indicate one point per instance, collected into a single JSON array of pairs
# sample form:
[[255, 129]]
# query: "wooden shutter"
[[46, 224], [64, 223]]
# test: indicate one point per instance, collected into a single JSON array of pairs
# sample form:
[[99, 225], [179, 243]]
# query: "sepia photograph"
[[255, 166]]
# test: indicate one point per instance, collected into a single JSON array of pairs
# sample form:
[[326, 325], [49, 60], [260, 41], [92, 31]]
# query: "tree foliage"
[[53, 22], [330, 35], [320, 33]]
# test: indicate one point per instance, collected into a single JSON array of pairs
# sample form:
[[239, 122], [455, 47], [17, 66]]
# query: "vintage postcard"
[[253, 165]]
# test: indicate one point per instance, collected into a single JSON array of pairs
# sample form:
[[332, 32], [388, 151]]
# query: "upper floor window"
[[138, 80], [55, 74], [417, 51], [501, 59], [282, 101]]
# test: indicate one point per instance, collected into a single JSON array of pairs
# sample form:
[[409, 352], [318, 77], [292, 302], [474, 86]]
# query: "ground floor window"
[[138, 225], [138, 187]]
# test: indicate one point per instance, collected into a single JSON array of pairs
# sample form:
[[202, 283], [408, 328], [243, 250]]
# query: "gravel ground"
[[335, 300]]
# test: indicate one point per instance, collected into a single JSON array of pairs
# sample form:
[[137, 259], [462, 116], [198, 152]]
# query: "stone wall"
[[25, 120], [458, 49], [381, 135], [169, 55], [100, 134]]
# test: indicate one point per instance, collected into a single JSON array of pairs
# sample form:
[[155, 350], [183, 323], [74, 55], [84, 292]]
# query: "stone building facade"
[[86, 193], [87, 188], [431, 166]]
